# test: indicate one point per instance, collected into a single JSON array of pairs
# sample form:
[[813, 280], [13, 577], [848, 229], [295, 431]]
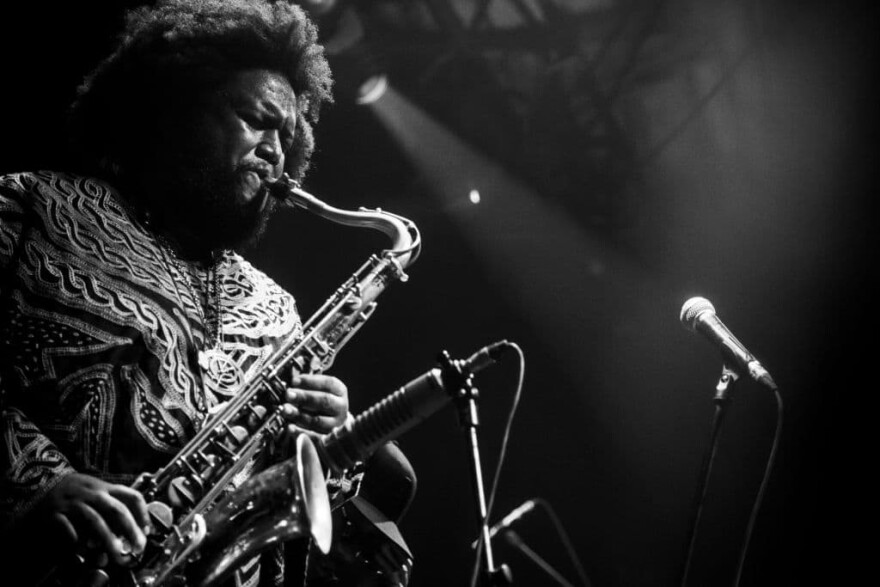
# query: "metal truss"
[[559, 66]]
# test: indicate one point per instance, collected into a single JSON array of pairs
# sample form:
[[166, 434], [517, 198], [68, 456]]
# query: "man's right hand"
[[108, 518]]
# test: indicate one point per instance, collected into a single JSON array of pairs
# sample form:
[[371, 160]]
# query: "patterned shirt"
[[99, 337]]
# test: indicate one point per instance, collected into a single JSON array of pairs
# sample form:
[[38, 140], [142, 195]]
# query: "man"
[[127, 314]]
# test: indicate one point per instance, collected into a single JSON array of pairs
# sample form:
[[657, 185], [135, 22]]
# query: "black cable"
[[506, 438], [760, 497], [504, 442]]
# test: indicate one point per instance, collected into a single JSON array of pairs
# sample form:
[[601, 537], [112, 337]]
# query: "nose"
[[269, 148]]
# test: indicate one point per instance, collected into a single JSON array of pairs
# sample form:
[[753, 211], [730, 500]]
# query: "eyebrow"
[[272, 106]]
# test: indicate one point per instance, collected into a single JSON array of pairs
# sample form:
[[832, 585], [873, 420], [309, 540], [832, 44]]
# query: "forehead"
[[260, 87]]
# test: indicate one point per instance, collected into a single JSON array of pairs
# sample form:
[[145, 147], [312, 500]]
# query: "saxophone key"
[[184, 492], [256, 415], [351, 305], [228, 452], [276, 386], [321, 347], [236, 435], [161, 517]]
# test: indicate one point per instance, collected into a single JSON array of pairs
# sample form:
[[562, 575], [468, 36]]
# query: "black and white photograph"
[[437, 293]]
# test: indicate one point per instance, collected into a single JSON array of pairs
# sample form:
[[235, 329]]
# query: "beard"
[[203, 207]]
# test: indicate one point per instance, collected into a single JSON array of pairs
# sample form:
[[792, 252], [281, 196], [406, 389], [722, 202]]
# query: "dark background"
[[629, 155]]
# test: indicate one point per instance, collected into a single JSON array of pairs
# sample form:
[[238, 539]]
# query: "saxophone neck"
[[406, 241]]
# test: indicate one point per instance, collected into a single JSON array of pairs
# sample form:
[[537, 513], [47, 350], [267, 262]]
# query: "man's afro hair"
[[169, 53]]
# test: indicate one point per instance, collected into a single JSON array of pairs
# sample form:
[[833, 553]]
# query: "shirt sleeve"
[[30, 464], [12, 212]]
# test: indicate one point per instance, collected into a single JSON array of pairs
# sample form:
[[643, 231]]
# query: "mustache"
[[265, 171]]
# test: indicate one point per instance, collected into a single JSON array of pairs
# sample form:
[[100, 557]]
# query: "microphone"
[[510, 519], [358, 438], [698, 314], [484, 357]]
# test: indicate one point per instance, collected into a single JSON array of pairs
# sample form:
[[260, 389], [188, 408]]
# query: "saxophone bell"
[[284, 502]]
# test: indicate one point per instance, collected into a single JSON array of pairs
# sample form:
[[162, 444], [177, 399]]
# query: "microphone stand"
[[725, 383], [514, 540], [460, 385]]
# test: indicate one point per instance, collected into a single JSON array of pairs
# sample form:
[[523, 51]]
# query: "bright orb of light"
[[474, 197], [372, 89]]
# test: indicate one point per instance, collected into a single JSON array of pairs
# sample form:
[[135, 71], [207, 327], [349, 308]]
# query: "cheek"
[[243, 142], [230, 141]]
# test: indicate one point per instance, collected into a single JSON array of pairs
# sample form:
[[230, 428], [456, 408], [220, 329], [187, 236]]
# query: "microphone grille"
[[693, 308]]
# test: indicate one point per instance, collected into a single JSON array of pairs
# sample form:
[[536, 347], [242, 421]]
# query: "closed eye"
[[267, 121], [253, 120]]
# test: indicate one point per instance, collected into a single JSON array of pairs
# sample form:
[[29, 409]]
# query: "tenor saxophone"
[[200, 510]]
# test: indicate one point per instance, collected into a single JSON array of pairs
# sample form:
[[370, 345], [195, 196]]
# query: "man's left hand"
[[318, 403]]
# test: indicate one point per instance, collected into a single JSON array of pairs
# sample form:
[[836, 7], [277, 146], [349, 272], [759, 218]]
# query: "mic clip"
[[457, 376], [463, 370], [458, 382], [725, 384]]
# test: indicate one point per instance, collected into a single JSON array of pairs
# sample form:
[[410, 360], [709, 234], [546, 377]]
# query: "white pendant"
[[220, 374]]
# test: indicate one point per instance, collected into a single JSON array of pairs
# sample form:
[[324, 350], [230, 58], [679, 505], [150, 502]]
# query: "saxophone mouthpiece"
[[280, 188]]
